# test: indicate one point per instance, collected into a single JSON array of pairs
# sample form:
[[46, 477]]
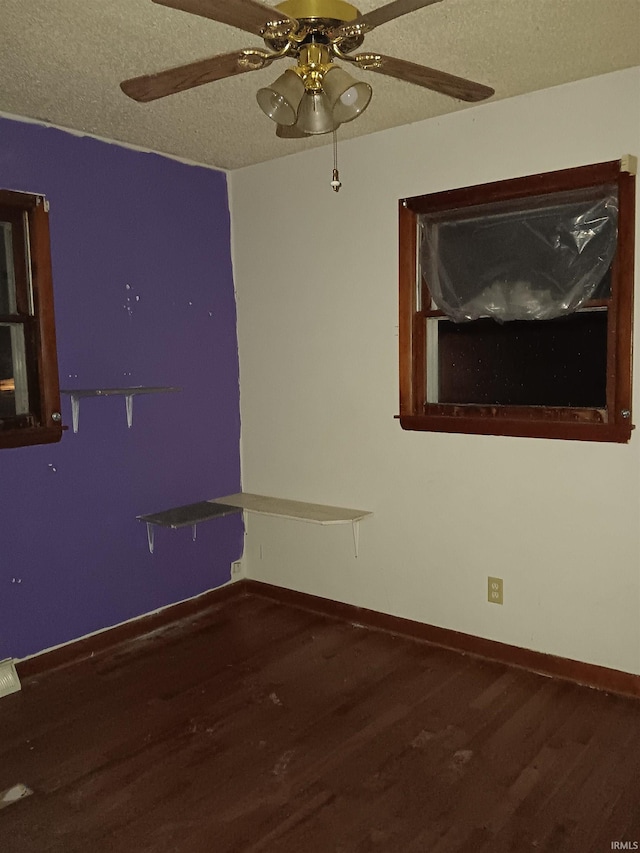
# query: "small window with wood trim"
[[516, 304], [29, 389]]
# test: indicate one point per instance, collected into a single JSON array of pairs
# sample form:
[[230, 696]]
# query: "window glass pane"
[[7, 275], [543, 259], [560, 362], [14, 393]]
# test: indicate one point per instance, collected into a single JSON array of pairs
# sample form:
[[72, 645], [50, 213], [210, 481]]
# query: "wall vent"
[[9, 681]]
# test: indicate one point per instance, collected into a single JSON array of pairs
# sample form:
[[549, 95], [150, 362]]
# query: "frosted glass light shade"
[[315, 115], [348, 97], [280, 100]]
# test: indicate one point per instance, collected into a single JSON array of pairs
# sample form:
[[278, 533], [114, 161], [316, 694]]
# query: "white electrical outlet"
[[496, 591], [236, 569]]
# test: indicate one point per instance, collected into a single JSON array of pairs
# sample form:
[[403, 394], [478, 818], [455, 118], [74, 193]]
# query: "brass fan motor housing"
[[317, 18], [336, 10]]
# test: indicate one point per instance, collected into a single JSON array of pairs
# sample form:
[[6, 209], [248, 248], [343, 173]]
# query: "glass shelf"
[[188, 515], [129, 393]]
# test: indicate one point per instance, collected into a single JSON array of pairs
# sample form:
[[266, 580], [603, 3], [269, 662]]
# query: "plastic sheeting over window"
[[537, 262]]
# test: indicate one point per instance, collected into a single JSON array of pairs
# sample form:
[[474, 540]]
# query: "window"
[[516, 302], [29, 390]]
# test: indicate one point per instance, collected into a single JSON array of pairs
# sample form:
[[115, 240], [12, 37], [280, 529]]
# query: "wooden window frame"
[[610, 424], [29, 216]]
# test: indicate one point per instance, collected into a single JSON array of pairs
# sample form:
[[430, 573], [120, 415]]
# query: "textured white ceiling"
[[61, 61]]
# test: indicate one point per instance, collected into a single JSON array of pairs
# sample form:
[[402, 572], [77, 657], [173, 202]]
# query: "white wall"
[[316, 278]]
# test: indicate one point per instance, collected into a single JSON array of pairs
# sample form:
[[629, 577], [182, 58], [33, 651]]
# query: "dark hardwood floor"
[[257, 726]]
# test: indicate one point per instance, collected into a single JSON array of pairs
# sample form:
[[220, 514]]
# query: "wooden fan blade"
[[149, 87], [430, 78], [249, 15], [383, 14]]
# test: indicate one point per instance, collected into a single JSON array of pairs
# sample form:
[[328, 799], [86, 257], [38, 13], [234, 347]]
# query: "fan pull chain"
[[336, 183]]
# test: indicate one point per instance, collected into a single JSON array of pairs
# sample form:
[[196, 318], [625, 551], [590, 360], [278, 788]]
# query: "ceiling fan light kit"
[[314, 96]]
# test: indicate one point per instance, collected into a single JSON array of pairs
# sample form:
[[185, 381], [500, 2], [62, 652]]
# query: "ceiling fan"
[[314, 96]]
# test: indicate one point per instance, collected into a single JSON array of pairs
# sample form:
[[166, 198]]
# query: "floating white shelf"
[[298, 510], [129, 393]]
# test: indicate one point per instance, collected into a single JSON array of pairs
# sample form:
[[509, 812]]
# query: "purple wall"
[[144, 296]]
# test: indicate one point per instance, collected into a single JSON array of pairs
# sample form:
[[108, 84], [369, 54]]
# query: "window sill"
[[30, 436], [526, 428]]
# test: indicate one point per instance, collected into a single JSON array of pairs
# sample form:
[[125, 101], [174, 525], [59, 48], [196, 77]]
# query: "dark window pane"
[[14, 395], [7, 278], [560, 362]]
